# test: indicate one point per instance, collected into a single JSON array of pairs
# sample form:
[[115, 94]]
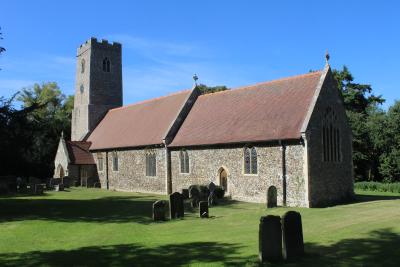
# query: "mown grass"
[[93, 227]]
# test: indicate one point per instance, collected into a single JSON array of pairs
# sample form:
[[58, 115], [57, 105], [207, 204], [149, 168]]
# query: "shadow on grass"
[[131, 255], [382, 248], [368, 198], [107, 209]]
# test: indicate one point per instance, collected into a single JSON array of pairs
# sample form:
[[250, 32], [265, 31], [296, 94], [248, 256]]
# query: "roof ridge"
[[264, 83], [151, 99]]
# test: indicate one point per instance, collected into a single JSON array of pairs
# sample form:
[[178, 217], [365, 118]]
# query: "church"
[[287, 139]]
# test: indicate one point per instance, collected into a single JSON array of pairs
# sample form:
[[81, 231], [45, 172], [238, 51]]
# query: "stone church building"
[[287, 139]]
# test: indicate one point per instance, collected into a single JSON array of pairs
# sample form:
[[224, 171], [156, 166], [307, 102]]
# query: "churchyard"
[[94, 227]]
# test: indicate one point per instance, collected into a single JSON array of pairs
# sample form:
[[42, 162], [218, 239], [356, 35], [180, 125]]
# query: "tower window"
[[81, 88], [106, 65], [82, 66], [184, 159], [250, 160], [331, 148]]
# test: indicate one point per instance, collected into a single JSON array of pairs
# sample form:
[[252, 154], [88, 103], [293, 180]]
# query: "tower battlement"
[[98, 85]]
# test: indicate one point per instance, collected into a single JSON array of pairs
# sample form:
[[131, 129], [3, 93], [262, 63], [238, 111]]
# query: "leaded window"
[[184, 161], [151, 164], [250, 160], [100, 161], [115, 161], [331, 141]]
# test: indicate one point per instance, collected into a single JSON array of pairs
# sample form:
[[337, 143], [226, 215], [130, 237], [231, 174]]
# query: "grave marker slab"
[[176, 205], [203, 207], [270, 238], [159, 210], [293, 244]]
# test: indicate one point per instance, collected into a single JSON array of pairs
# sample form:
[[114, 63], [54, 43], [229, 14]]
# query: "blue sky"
[[229, 43]]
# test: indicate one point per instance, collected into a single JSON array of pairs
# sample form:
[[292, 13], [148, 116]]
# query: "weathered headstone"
[[39, 189], [293, 244], [270, 238], [211, 187], [159, 210], [203, 207], [212, 199], [272, 196], [59, 187], [176, 205], [194, 203], [185, 193], [194, 192]]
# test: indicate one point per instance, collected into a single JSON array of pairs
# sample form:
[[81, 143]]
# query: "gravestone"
[[270, 238], [203, 207], [159, 210], [39, 189], [194, 203], [212, 199], [194, 192], [59, 187], [211, 187], [176, 205], [293, 244], [272, 196], [185, 193]]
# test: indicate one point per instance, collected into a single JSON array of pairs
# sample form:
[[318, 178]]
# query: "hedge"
[[378, 187]]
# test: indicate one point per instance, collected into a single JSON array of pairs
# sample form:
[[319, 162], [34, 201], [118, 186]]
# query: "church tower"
[[98, 85]]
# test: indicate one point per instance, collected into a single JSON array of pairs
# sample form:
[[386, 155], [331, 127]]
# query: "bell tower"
[[98, 85]]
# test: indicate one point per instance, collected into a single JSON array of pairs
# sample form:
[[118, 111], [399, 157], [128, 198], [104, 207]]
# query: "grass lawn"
[[96, 227]]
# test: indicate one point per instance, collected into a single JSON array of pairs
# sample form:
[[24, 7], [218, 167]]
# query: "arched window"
[[253, 160], [115, 161], [250, 160], [184, 159], [331, 148], [151, 164], [106, 65], [83, 66], [100, 162]]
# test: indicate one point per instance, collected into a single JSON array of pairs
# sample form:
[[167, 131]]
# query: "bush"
[[219, 192], [202, 189], [378, 187]]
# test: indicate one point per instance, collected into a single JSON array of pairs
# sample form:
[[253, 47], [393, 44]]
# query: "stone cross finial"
[[327, 56], [195, 78]]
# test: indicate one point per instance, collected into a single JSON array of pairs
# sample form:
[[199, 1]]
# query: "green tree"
[[390, 158], [204, 89], [362, 110]]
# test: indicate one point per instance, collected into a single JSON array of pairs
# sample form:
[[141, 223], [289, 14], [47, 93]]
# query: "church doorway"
[[223, 179], [272, 197], [60, 171]]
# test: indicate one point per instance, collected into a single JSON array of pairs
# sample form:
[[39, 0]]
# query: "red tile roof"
[[266, 111], [140, 124], [78, 152]]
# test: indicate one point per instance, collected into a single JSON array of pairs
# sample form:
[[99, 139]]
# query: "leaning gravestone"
[[38, 189], [159, 210], [293, 244], [270, 238], [176, 205], [203, 207]]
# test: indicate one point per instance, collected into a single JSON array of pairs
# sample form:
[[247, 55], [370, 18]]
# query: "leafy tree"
[[361, 106], [390, 158], [204, 89], [31, 134], [2, 49]]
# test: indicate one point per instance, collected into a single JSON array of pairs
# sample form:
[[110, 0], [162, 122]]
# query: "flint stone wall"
[[205, 164], [131, 174], [329, 182]]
